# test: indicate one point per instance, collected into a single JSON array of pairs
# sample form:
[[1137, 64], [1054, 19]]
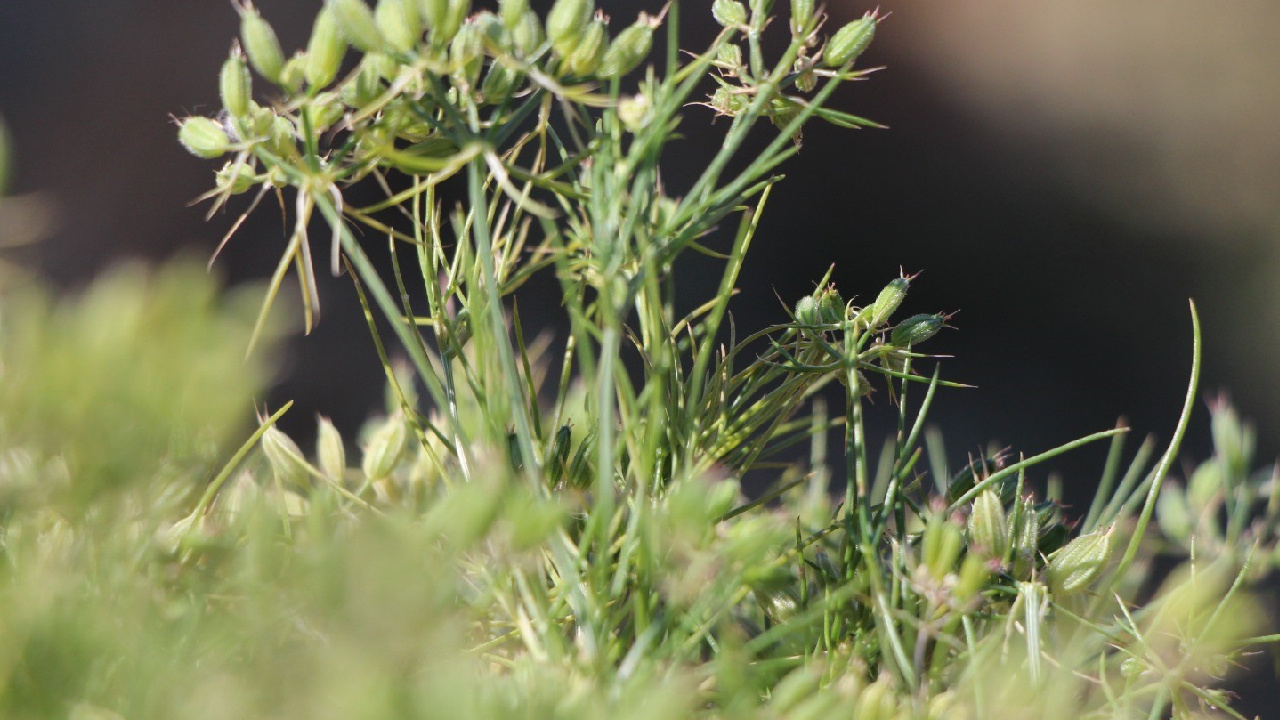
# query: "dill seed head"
[[850, 41]]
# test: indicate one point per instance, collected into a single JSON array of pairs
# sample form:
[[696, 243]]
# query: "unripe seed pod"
[[294, 73], [285, 458], [491, 31], [830, 306], [988, 527], [235, 177], [1073, 567], [801, 14], [203, 137], [729, 13], [633, 111], [234, 84], [566, 22], [729, 56], [320, 112], [385, 449], [629, 49], [445, 18], [364, 87], [877, 702], [941, 546], [850, 41], [1025, 538], [498, 83], [261, 44], [807, 311], [592, 45], [972, 578], [888, 301], [527, 34], [283, 139], [330, 450], [400, 23], [916, 329], [326, 49], [512, 12], [466, 54], [357, 23]]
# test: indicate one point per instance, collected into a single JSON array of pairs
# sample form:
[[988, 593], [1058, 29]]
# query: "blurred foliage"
[[141, 375]]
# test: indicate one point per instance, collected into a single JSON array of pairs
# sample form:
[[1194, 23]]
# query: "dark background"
[[1065, 177]]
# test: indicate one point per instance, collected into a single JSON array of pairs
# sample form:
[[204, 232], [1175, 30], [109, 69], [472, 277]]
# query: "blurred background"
[[1066, 176]]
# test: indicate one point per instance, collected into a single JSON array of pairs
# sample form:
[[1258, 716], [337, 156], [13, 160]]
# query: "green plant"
[[557, 529]]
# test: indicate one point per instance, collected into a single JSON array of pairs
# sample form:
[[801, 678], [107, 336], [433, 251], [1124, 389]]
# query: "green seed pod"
[[586, 57], [386, 448], [285, 458], [445, 18], [203, 137], [916, 329], [988, 527], [721, 498], [558, 457], [261, 44], [887, 302], [729, 57], [330, 450], [566, 22], [498, 83], [807, 311], [492, 32], [320, 112], [325, 50], [283, 139], [235, 177], [972, 578], [1025, 538], [801, 14], [831, 306], [358, 25], [941, 546], [512, 12], [633, 111], [294, 73], [234, 84], [1073, 567], [850, 41], [877, 701], [629, 49], [400, 23], [526, 36], [364, 87], [466, 54], [729, 13], [1173, 513]]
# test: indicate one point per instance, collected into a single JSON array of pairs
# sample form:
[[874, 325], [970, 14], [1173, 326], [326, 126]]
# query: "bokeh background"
[[1066, 176]]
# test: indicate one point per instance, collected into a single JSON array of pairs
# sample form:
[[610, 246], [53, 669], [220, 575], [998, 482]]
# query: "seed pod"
[[877, 701], [294, 73], [807, 311], [498, 83], [385, 449], [512, 12], [491, 31], [445, 18], [941, 546], [321, 111], [358, 24], [729, 13], [527, 34], [400, 23], [1073, 567], [850, 41], [330, 450], [235, 177], [283, 139], [801, 14], [1173, 513], [1024, 534], [830, 306], [466, 54], [887, 302], [633, 111], [916, 329], [729, 57], [629, 49], [592, 45], [566, 22], [203, 137], [988, 528], [325, 50], [234, 84], [972, 577], [285, 458], [260, 43]]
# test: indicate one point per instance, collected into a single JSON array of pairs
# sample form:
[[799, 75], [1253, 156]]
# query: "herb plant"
[[556, 528]]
